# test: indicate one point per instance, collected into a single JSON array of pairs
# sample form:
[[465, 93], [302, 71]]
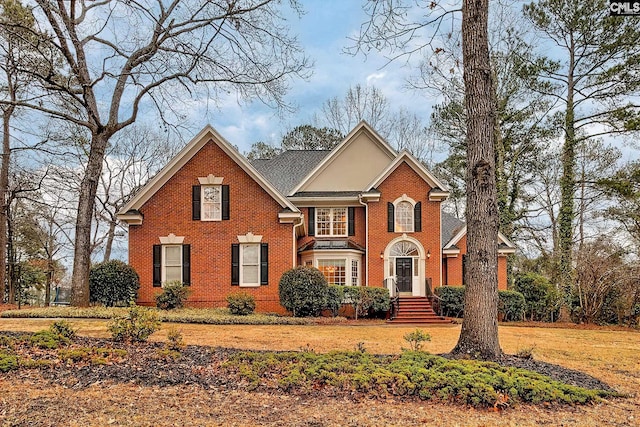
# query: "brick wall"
[[252, 209], [454, 267], [404, 180]]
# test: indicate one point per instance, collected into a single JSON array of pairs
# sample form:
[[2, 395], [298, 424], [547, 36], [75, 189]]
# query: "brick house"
[[361, 213]]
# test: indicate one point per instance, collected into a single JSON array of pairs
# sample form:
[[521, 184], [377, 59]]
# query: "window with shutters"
[[404, 215], [250, 264], [171, 263], [211, 202], [331, 222]]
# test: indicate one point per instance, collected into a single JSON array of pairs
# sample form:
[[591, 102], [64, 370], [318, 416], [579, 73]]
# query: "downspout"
[[295, 241], [366, 237]]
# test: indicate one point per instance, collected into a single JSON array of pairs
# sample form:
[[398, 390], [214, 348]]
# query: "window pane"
[[250, 274], [334, 270], [354, 272], [212, 202], [339, 221], [173, 273], [172, 255], [250, 254], [323, 221], [404, 217]]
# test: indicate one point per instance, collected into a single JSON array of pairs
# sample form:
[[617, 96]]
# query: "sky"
[[323, 32]]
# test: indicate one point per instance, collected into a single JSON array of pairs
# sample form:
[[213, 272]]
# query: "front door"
[[404, 274]]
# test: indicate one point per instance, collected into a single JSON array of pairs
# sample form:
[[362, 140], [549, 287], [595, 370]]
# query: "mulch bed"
[[145, 365]]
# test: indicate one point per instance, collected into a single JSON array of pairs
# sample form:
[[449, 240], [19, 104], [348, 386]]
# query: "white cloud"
[[372, 78]]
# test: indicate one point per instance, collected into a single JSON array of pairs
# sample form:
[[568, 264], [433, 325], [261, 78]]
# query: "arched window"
[[404, 217], [404, 249]]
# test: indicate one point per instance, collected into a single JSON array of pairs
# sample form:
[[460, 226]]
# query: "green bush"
[[541, 296], [63, 328], [136, 326], [367, 300], [8, 361], [174, 294], [416, 338], [48, 339], [335, 296], [113, 283], [241, 303], [451, 300], [512, 305], [303, 291]]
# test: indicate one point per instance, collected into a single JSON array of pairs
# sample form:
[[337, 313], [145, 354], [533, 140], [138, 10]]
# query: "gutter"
[[366, 237]]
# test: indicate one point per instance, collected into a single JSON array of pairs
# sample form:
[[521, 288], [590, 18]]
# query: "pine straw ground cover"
[[145, 388]]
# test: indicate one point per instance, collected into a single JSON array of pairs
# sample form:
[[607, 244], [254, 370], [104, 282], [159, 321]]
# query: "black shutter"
[[351, 221], [195, 203], [264, 263], [417, 217], [312, 221], [235, 264], [225, 202], [157, 265], [390, 217], [186, 265]]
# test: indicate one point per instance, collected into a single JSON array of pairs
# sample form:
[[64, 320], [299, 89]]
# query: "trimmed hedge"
[[113, 283], [303, 291], [511, 304], [241, 303]]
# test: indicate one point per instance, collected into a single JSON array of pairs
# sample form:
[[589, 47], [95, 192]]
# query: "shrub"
[[451, 300], [335, 296], [136, 326], [8, 361], [512, 305], [241, 303], [175, 342], [48, 340], [416, 338], [113, 283], [173, 295], [367, 300], [303, 291], [541, 296], [63, 328]]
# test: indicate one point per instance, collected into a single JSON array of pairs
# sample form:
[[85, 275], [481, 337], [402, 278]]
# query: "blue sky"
[[323, 33]]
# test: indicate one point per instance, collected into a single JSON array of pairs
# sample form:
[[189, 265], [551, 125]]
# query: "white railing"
[[390, 284]]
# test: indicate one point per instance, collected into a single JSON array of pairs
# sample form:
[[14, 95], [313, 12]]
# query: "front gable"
[[131, 212], [351, 165]]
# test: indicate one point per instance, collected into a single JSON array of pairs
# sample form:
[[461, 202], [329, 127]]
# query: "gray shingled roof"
[[288, 169], [450, 227]]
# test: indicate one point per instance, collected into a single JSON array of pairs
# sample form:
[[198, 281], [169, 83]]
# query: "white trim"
[[211, 180], [344, 255], [463, 231], [419, 284], [414, 164], [130, 218], [163, 271], [396, 202], [249, 238], [203, 202], [331, 222], [363, 126], [241, 265], [172, 239], [207, 134]]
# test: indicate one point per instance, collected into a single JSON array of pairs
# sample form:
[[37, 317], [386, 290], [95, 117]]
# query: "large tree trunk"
[[479, 334], [4, 197], [86, 204], [110, 237]]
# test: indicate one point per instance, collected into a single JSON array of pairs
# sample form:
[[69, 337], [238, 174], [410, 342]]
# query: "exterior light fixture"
[[381, 254], [428, 254]]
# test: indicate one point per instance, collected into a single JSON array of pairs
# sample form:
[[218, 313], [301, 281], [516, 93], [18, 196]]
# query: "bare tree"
[[119, 54]]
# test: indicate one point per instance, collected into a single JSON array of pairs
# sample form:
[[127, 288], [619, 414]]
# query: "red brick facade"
[[255, 206], [252, 209]]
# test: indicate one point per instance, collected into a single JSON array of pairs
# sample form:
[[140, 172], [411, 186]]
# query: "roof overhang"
[[132, 217], [505, 246], [440, 192]]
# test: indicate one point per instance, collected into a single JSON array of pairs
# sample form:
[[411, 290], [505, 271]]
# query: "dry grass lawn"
[[610, 355]]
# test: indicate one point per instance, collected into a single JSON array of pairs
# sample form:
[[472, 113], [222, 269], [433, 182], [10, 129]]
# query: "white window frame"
[[396, 204], [332, 222], [203, 203], [242, 265], [349, 257], [164, 262]]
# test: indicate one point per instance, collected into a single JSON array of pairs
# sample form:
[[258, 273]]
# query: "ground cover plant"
[[212, 316], [153, 387]]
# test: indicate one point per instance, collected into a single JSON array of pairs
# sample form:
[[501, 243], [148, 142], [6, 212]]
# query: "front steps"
[[416, 310]]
